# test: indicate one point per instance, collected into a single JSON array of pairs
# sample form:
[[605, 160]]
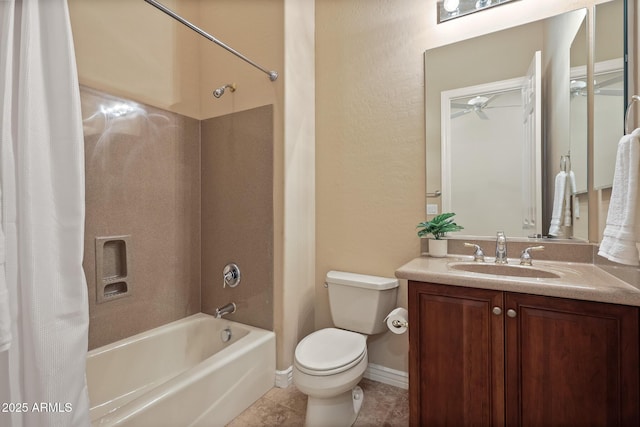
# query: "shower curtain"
[[43, 294]]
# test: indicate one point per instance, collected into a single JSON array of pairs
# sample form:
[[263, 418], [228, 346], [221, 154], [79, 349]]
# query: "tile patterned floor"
[[383, 406]]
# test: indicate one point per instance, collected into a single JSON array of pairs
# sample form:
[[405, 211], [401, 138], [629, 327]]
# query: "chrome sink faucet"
[[501, 248]]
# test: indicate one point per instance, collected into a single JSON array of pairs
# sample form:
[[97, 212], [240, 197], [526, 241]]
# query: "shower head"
[[220, 91]]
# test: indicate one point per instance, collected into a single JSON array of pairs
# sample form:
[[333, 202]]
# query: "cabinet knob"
[[511, 313], [497, 311]]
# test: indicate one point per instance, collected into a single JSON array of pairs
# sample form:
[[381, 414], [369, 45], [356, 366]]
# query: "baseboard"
[[374, 372], [387, 376], [284, 378]]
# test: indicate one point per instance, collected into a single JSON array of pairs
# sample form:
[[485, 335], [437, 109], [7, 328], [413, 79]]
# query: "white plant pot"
[[438, 248]]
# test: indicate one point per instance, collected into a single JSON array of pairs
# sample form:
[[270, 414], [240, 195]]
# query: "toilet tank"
[[360, 302]]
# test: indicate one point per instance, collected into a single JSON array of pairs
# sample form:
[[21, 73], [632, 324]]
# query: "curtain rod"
[[273, 75]]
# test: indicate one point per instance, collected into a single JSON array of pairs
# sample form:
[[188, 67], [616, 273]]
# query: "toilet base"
[[337, 411]]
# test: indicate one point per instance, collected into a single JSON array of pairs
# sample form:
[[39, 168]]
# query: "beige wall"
[[295, 304], [254, 28], [130, 49]]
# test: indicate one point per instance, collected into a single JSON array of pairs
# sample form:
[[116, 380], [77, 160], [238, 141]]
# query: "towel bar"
[[634, 98], [565, 162]]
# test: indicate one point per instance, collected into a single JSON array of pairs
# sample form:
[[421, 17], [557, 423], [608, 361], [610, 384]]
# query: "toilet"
[[329, 363]]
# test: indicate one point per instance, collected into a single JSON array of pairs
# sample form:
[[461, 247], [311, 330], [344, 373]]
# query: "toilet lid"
[[330, 351]]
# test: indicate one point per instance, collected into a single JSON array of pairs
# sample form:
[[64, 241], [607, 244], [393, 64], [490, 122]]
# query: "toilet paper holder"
[[397, 319], [399, 323]]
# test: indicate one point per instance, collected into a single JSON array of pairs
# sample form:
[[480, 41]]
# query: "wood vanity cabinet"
[[491, 358]]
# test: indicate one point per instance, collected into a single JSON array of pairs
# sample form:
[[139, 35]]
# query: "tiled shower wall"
[[189, 196], [142, 180], [237, 213]]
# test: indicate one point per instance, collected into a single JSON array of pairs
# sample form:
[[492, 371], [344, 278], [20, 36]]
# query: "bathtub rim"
[[175, 324]]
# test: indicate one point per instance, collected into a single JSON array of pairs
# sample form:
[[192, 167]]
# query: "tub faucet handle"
[[230, 275]]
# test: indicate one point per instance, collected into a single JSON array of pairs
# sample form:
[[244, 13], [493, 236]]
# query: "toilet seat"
[[330, 351]]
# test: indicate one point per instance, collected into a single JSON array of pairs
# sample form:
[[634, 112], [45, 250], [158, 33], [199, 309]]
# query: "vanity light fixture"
[[449, 9], [450, 6]]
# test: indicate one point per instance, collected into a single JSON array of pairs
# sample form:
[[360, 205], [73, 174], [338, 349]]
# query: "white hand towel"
[[5, 314], [558, 202], [622, 228], [567, 201], [572, 182]]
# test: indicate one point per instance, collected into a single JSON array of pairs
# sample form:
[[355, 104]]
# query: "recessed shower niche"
[[112, 268]]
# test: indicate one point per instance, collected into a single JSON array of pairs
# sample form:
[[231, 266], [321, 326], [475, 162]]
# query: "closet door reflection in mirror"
[[491, 145]]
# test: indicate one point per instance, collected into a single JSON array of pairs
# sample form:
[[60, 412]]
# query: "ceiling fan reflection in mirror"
[[478, 104], [578, 87]]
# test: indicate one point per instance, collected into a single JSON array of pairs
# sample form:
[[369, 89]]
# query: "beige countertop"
[[580, 281]]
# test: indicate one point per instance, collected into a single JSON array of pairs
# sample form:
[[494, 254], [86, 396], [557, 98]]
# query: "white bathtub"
[[180, 374]]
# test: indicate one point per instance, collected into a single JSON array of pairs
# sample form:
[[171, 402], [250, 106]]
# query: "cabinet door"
[[456, 356], [570, 363]]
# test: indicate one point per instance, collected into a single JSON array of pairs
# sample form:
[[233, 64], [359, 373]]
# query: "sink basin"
[[505, 270]]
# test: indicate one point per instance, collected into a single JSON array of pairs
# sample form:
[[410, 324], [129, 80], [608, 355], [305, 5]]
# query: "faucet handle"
[[230, 275], [478, 255], [525, 256]]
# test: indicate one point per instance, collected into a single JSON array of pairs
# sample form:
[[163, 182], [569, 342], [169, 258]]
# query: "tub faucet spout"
[[224, 310]]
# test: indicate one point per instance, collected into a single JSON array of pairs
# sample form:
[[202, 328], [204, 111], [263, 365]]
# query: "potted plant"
[[438, 227]]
